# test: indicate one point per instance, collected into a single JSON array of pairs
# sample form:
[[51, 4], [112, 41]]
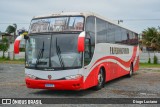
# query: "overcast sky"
[[22, 11]]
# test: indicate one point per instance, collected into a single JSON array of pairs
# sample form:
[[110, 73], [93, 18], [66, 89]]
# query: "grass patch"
[[15, 61], [147, 65]]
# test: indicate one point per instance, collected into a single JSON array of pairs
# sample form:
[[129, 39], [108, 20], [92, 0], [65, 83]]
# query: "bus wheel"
[[101, 80], [131, 71]]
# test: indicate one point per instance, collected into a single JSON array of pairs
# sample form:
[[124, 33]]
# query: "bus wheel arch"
[[101, 78]]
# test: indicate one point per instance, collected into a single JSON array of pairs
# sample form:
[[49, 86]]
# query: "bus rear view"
[[62, 53]]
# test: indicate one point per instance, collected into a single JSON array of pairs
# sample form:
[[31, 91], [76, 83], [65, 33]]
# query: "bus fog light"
[[73, 77]]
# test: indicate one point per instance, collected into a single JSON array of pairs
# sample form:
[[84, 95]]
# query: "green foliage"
[[155, 59], [8, 61], [146, 65], [151, 38], [4, 46], [4, 58], [10, 29], [149, 60], [22, 49]]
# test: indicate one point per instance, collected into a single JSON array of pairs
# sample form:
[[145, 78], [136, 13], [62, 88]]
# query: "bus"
[[77, 51]]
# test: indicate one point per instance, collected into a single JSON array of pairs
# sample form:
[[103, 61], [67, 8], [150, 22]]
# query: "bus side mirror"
[[18, 40], [16, 44], [81, 42]]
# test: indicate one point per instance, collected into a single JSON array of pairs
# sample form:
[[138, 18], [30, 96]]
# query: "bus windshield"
[[56, 51], [57, 24]]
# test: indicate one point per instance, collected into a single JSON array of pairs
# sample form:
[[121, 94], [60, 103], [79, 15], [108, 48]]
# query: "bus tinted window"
[[89, 40], [118, 35], [101, 31], [57, 24], [124, 36], [111, 33], [133, 38]]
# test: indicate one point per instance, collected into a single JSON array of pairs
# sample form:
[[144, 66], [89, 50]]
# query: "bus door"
[[87, 53], [87, 59]]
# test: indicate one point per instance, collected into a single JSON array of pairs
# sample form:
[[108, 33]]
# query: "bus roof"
[[83, 14]]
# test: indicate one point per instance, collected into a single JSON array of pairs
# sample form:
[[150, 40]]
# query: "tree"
[[151, 38], [148, 35], [12, 29], [15, 26], [4, 46]]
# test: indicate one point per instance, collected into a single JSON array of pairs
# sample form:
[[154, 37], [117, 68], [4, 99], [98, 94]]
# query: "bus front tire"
[[101, 80]]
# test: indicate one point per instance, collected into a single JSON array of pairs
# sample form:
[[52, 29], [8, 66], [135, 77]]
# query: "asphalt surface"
[[145, 83]]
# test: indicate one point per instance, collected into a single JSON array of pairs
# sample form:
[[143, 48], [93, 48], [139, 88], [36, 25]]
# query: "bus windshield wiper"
[[40, 54], [59, 55]]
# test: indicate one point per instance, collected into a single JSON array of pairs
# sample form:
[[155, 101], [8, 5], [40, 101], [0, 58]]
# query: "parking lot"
[[144, 83]]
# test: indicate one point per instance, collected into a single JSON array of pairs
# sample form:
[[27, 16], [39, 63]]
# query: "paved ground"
[[144, 83]]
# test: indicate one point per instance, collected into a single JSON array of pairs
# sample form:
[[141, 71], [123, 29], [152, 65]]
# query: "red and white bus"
[[76, 51]]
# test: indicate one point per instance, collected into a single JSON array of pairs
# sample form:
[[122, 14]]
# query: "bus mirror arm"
[[26, 37]]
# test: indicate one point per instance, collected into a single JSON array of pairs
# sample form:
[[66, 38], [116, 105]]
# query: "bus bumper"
[[76, 84]]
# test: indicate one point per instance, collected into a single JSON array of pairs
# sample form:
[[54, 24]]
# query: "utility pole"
[[120, 21]]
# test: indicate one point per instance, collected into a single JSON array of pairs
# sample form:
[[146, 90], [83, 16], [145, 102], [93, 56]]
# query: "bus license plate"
[[49, 85]]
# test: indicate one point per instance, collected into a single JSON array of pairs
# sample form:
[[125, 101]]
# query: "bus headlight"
[[73, 77], [30, 76]]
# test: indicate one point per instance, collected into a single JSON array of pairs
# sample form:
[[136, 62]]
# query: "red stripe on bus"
[[125, 63]]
